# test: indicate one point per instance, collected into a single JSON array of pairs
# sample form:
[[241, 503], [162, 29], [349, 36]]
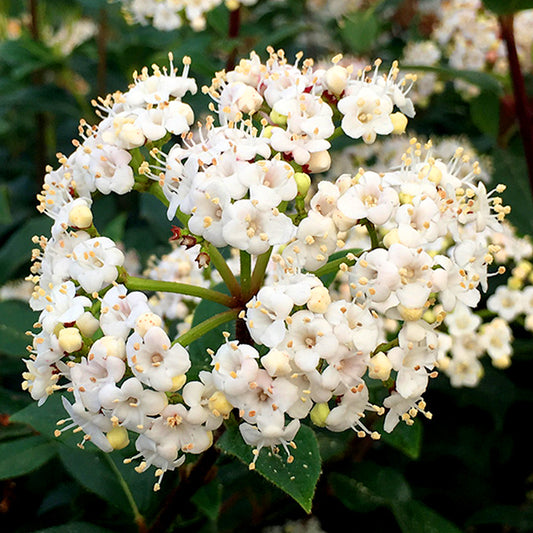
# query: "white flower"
[[270, 430], [94, 263], [155, 362], [254, 227], [366, 113], [369, 199], [266, 315], [131, 404]]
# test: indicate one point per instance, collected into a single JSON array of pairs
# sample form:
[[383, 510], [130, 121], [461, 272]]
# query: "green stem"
[[224, 270], [142, 284], [258, 275], [246, 272], [138, 517], [157, 191], [386, 346], [207, 325], [337, 133], [374, 240], [334, 265]]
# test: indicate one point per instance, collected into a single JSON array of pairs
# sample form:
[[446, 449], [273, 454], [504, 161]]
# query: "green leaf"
[[92, 471], [298, 479], [17, 250], [115, 229], [415, 516], [483, 80], [407, 439], [485, 113], [517, 518], [510, 169], [354, 494], [208, 499], [44, 420], [503, 7], [374, 485], [360, 30], [22, 456], [15, 319], [74, 527], [5, 211], [13, 401]]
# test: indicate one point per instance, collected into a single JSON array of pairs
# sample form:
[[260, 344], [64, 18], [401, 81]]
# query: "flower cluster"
[[167, 15], [341, 287]]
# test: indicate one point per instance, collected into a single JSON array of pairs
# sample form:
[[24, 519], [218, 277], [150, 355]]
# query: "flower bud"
[[319, 413], [250, 101], [502, 362], [399, 123], [391, 237], [70, 340], [277, 363], [88, 324], [379, 367], [278, 118], [113, 346], [81, 217], [336, 79], [411, 313], [218, 403], [146, 321], [118, 437], [303, 182], [178, 382], [319, 300], [319, 161], [431, 172]]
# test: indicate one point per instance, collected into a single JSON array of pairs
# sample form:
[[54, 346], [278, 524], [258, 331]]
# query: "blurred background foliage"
[[469, 469]]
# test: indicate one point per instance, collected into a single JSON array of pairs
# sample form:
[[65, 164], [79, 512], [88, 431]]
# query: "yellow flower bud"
[[178, 382], [303, 182], [218, 403], [319, 413], [399, 123], [379, 367], [70, 339], [81, 217], [118, 437]]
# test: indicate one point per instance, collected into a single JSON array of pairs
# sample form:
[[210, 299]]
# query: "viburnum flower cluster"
[[339, 292], [167, 15]]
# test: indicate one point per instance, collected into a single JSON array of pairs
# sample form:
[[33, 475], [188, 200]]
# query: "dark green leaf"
[[44, 419], [5, 212], [354, 494], [506, 515], [298, 479], [115, 229], [360, 30], [209, 499], [378, 484], [16, 318], [510, 169], [74, 527], [415, 516], [93, 471], [17, 250], [485, 113], [407, 439], [483, 80], [503, 7], [21, 456]]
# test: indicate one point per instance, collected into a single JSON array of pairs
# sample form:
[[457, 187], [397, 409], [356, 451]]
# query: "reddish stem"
[[522, 107]]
